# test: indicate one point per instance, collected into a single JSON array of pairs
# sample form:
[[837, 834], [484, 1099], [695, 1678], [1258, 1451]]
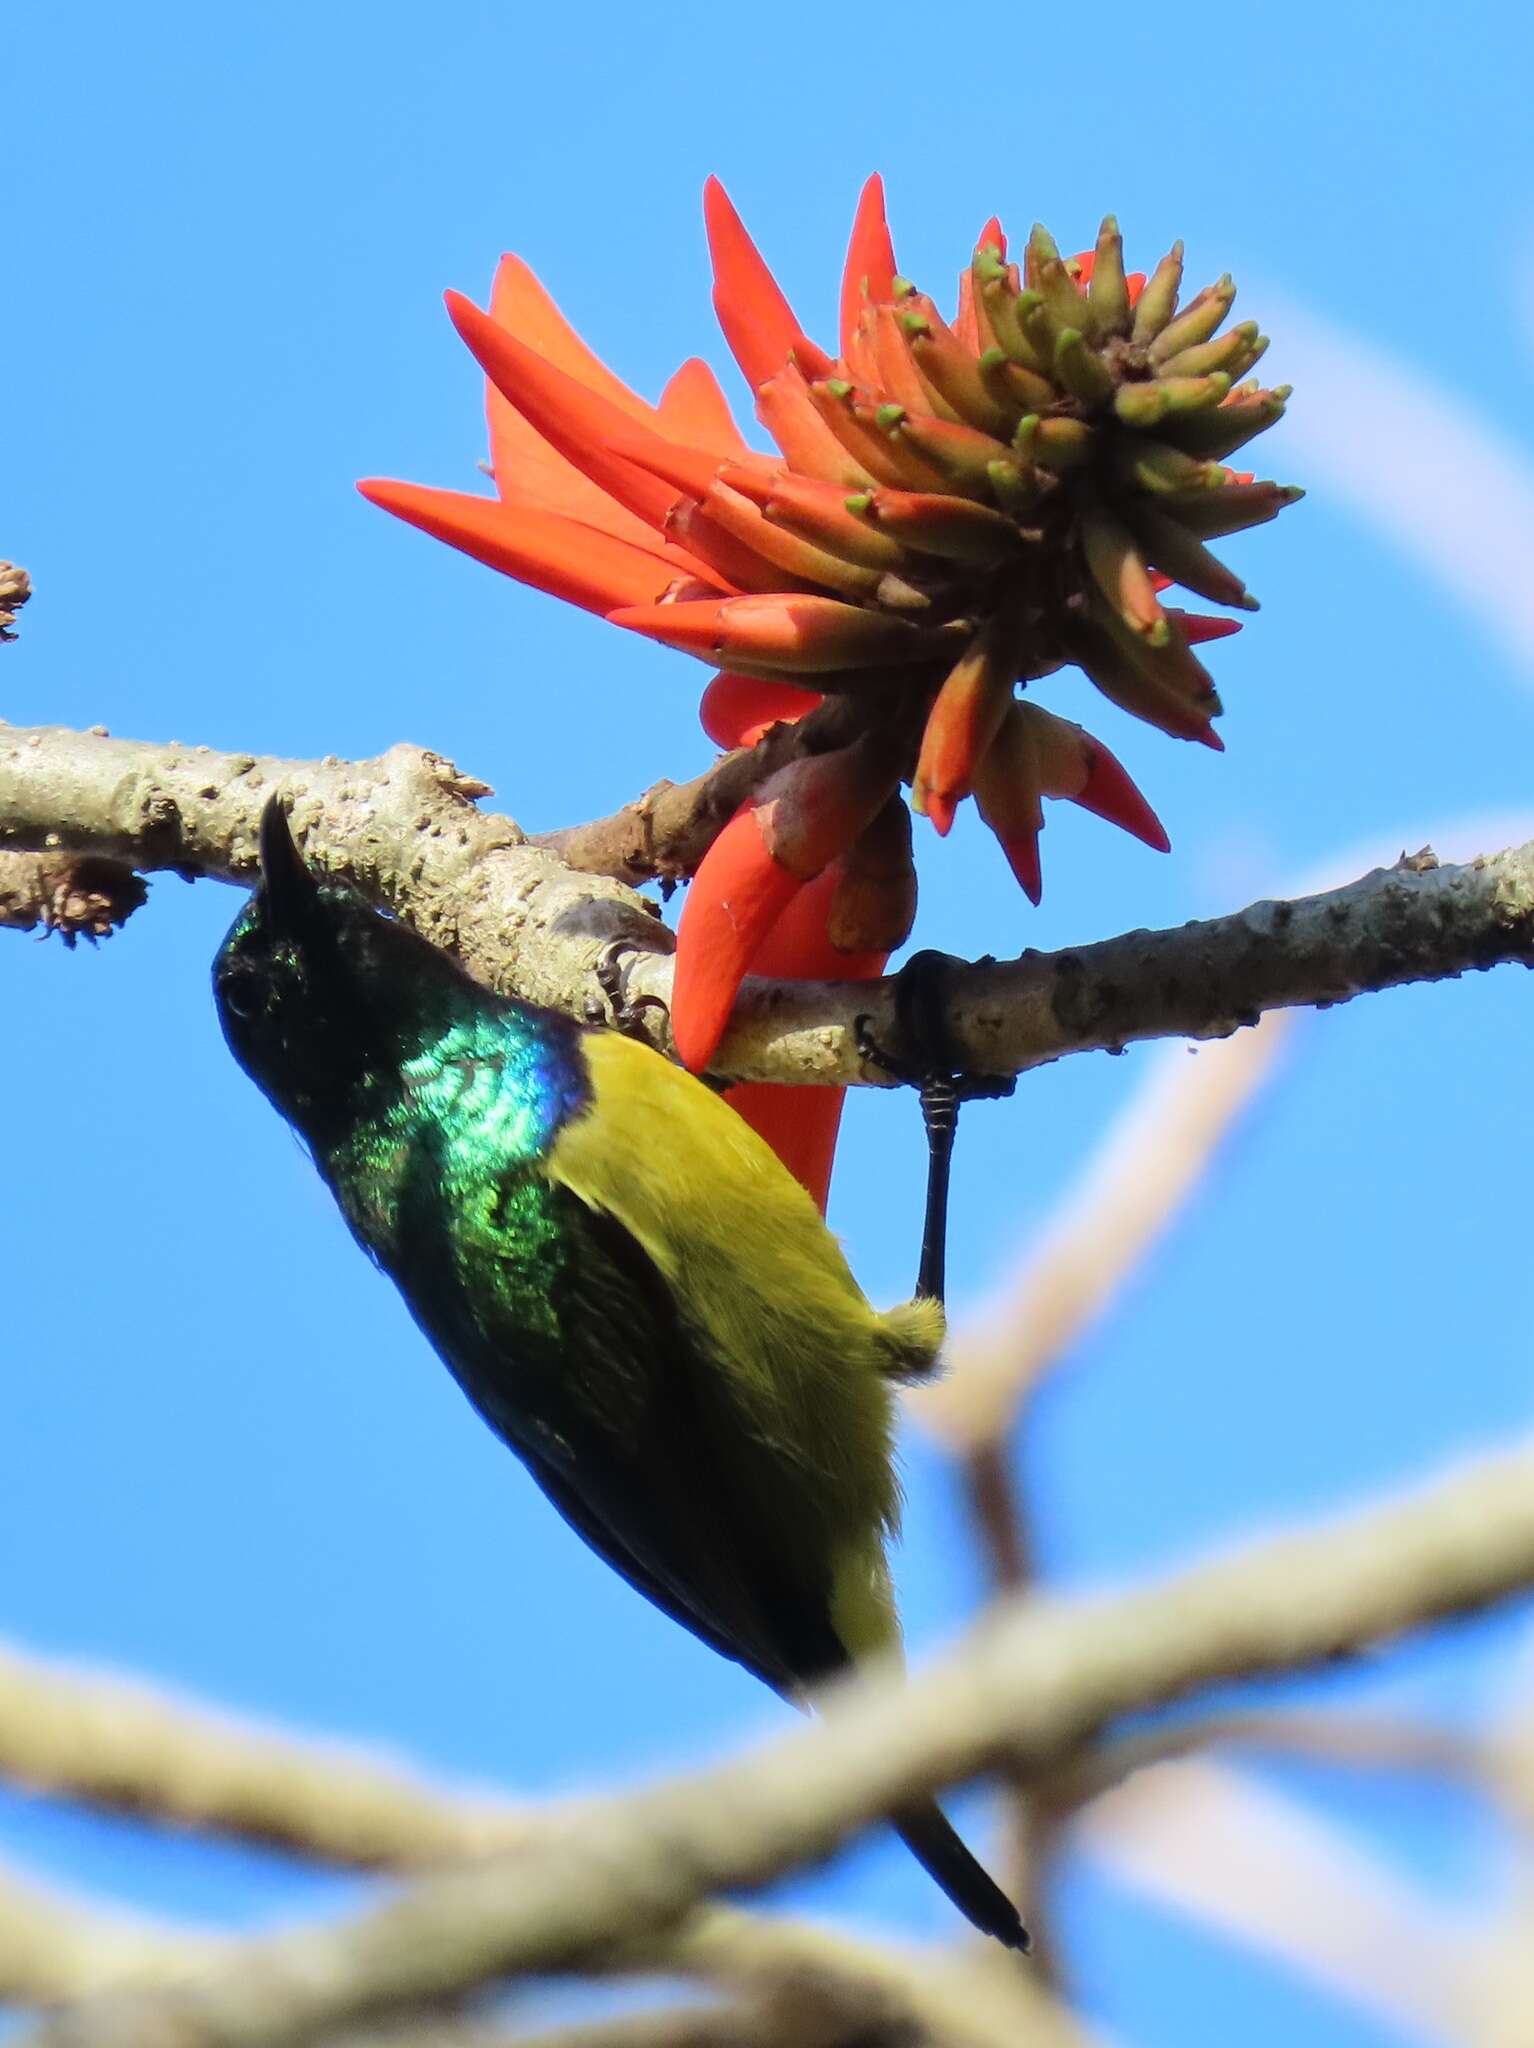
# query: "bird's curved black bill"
[[287, 884]]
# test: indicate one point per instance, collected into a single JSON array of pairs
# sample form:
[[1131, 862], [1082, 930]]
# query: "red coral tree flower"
[[955, 511]]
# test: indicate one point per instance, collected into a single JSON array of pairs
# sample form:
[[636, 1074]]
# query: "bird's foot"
[[621, 1011], [930, 1063]]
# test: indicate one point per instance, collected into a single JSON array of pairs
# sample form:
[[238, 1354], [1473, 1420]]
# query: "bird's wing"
[[765, 1289], [627, 1426]]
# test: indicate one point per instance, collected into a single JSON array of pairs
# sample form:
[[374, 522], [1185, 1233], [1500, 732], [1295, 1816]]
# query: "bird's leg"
[[622, 1009], [931, 1065]]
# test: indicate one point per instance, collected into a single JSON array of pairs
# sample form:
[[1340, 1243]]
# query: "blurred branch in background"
[[787, 1982], [123, 1747], [56, 1945], [1037, 1683], [1217, 1844]]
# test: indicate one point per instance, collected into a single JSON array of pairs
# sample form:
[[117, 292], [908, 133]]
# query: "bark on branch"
[[405, 829], [77, 895], [1033, 1685], [15, 589]]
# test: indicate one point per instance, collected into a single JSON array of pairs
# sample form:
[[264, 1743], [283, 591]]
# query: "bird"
[[634, 1293]]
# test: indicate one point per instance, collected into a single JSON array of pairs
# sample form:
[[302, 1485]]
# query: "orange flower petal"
[[877, 453], [734, 900], [645, 538], [859, 362], [797, 560], [966, 323], [819, 511], [1111, 792], [524, 464], [870, 272], [1007, 794], [519, 303], [730, 559], [520, 458], [1020, 843], [799, 948], [801, 635], [965, 717], [736, 710], [801, 1124], [552, 553], [693, 408], [955, 529], [786, 410], [818, 805], [585, 427], [1198, 627], [894, 371], [757, 320]]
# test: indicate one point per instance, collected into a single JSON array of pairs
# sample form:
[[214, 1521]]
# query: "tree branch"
[[1036, 1682], [77, 895], [404, 828], [119, 1745], [664, 834], [55, 1946], [15, 589], [113, 1744], [794, 1983], [1356, 1741], [1225, 1848]]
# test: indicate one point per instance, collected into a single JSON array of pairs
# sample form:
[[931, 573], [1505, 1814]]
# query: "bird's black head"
[[320, 996]]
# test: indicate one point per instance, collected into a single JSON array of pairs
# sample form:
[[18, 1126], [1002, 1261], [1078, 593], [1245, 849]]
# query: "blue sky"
[[230, 1462]]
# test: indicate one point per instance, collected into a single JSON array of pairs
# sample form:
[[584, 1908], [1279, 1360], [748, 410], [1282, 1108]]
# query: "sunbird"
[[637, 1296]]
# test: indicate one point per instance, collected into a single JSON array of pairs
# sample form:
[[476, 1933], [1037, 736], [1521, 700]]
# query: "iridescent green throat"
[[466, 1108]]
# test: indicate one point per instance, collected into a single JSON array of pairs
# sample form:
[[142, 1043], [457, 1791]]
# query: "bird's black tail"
[[931, 1839]]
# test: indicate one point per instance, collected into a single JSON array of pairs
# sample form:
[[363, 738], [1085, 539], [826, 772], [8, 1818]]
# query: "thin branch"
[[1034, 1683], [969, 1997], [77, 895], [1350, 1741], [121, 1746], [662, 835], [405, 829], [15, 589], [1218, 1845], [685, 2026], [55, 1945]]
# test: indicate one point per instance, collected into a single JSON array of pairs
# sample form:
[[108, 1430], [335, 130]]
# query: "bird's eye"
[[243, 999]]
